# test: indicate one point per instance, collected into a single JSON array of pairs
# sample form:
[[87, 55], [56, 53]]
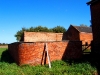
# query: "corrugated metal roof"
[[83, 29]]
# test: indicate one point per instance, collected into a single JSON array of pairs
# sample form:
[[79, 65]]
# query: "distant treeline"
[[3, 44]]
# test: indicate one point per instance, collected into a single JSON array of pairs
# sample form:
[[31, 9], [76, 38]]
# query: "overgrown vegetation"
[[58, 68], [57, 29]]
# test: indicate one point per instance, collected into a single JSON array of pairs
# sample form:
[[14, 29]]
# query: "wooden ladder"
[[48, 57], [46, 54]]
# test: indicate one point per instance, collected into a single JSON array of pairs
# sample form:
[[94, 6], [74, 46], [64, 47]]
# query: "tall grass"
[[58, 68]]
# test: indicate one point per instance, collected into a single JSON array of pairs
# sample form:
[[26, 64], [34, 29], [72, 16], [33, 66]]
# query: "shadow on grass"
[[87, 58], [6, 57]]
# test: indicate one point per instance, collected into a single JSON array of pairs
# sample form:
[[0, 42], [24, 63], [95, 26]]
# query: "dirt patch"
[[3, 46]]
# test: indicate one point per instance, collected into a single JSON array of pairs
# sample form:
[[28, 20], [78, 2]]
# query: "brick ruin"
[[33, 52], [41, 36], [30, 50]]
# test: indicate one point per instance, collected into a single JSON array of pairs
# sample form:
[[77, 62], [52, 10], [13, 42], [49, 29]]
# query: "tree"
[[20, 33], [57, 29], [41, 29], [83, 25]]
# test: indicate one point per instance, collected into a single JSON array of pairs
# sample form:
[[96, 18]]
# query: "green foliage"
[[57, 68], [41, 29], [57, 29], [83, 25]]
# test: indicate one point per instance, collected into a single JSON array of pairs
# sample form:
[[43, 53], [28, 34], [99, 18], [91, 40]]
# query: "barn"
[[79, 33]]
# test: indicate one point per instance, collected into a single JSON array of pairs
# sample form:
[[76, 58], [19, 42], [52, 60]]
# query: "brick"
[[32, 53], [41, 36]]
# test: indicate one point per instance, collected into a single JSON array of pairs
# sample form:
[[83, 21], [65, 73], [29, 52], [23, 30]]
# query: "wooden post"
[[46, 49]]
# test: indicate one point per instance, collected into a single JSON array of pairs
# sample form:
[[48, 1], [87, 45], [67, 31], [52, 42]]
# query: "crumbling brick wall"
[[32, 53], [86, 37], [41, 36]]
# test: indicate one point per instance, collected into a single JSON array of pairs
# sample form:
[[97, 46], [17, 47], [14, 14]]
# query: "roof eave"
[[75, 28], [90, 2]]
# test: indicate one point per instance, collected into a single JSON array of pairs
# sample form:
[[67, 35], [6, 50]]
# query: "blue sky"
[[15, 14]]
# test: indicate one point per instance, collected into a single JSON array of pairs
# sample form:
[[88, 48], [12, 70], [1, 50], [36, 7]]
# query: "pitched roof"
[[83, 29]]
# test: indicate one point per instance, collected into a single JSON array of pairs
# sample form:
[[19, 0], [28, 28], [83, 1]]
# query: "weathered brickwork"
[[86, 37], [41, 36], [74, 35], [32, 53]]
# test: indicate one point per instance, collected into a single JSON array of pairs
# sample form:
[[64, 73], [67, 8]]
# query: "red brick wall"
[[32, 53], [86, 37], [42, 36], [74, 35]]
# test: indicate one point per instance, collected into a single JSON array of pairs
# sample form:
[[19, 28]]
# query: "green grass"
[[1, 50], [58, 68]]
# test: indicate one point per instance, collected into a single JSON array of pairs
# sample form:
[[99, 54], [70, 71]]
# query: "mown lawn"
[[58, 67]]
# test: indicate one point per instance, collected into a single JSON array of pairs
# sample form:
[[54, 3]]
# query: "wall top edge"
[[45, 42]]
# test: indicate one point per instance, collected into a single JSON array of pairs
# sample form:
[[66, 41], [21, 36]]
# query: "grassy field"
[[58, 67]]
